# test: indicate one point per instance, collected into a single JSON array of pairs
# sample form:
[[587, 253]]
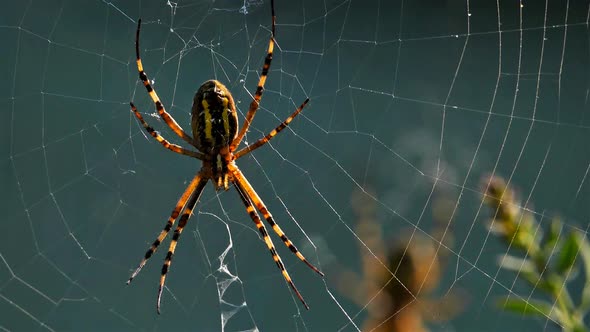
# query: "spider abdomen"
[[214, 119]]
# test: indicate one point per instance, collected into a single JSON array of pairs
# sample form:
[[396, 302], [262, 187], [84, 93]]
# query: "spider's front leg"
[[168, 119]]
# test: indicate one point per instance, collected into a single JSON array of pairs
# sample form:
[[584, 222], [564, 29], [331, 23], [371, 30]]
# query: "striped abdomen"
[[214, 119]]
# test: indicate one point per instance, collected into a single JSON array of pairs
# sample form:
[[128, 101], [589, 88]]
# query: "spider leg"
[[190, 205], [275, 256], [161, 110], [179, 206], [247, 188], [260, 88], [272, 134], [162, 140]]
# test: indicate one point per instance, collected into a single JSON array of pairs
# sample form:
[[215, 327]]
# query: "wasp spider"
[[216, 137]]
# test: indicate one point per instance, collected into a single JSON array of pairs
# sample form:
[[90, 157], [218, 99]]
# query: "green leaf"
[[580, 328], [516, 264], [554, 233], [529, 307], [584, 246], [568, 254]]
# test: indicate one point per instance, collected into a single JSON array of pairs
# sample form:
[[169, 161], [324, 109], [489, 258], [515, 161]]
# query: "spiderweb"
[[412, 102]]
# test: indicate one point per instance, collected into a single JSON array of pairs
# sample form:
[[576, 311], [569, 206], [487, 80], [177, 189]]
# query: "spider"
[[214, 127]]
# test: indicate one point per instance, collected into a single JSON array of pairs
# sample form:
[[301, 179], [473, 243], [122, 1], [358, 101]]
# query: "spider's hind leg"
[[256, 219], [182, 202], [190, 205], [247, 188]]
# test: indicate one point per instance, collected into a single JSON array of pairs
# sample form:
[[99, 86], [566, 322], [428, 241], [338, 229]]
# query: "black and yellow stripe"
[[275, 255], [159, 107], [215, 130], [247, 188], [162, 140], [272, 134], [179, 206], [214, 119], [190, 205]]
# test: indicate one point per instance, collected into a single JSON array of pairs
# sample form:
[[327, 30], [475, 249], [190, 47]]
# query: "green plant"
[[550, 261]]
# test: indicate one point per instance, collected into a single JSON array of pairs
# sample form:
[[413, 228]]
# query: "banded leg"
[[190, 205], [260, 88], [275, 256], [272, 134], [146, 82], [247, 189], [179, 206], [162, 140]]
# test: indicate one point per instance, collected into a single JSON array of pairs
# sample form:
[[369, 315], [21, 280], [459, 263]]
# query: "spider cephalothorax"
[[216, 137]]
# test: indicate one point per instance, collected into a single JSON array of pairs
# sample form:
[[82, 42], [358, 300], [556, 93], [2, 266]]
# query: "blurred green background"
[[411, 98]]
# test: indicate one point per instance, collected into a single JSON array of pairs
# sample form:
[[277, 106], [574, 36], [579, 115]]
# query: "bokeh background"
[[412, 103]]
